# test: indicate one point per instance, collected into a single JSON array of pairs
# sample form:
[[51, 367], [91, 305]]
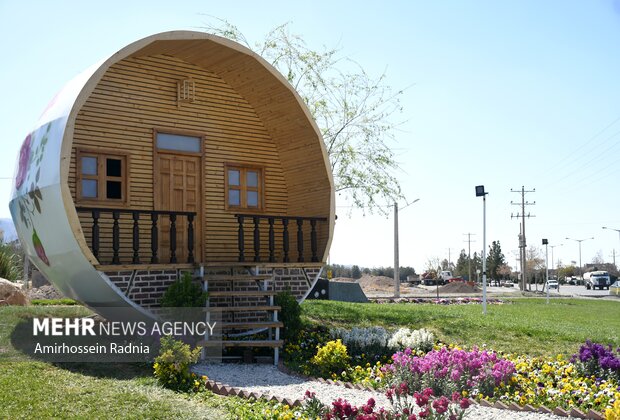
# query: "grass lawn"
[[31, 388], [35, 389], [526, 326]]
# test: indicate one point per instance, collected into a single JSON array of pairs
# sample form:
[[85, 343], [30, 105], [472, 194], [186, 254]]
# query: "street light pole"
[[480, 193], [580, 241], [556, 270], [396, 262], [617, 230], [557, 276], [546, 244]]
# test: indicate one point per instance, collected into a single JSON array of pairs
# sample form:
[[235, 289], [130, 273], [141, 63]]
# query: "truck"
[[597, 279]]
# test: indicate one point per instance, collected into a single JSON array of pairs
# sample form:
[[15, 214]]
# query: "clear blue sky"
[[504, 93]]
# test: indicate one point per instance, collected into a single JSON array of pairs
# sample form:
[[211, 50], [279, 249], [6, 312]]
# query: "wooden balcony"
[[264, 224], [124, 223]]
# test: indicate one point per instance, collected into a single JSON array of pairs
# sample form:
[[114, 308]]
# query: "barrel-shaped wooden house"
[[183, 151]]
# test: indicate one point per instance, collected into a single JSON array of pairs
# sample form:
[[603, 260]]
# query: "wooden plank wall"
[[139, 94]]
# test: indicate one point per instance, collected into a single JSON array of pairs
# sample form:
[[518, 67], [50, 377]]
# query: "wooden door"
[[178, 188]]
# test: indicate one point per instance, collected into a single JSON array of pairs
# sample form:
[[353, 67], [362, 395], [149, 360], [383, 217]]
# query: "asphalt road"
[[576, 291]]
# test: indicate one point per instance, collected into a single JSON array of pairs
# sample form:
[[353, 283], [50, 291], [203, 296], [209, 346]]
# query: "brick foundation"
[[146, 287]]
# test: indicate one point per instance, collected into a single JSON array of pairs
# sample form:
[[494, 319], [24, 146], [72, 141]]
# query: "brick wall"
[[148, 286]]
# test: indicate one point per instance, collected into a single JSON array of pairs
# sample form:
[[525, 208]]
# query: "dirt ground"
[[379, 286]]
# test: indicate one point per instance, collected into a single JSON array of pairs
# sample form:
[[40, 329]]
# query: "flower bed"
[[587, 382], [440, 301], [435, 383]]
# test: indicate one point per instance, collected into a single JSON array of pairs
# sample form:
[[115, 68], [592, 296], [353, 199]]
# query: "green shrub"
[[10, 265], [290, 314], [184, 293], [54, 302], [332, 358], [171, 367]]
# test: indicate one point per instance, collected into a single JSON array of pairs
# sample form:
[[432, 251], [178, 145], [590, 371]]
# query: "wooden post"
[[285, 239], [154, 238], [272, 241], [173, 238], [190, 238], [95, 238], [136, 238], [240, 239], [256, 239], [300, 240], [313, 242], [115, 238]]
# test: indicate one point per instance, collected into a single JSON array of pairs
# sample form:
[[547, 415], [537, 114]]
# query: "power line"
[[560, 162], [584, 166]]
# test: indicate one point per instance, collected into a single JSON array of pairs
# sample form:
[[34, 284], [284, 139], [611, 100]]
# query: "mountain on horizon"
[[8, 228]]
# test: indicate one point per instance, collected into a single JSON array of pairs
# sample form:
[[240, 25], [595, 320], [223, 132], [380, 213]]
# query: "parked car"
[[552, 284], [614, 289]]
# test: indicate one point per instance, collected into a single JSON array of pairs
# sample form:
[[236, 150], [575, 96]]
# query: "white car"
[[552, 284]]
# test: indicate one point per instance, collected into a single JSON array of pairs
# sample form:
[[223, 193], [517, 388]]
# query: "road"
[[577, 291]]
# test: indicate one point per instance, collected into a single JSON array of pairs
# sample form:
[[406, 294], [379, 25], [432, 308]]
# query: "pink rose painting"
[[24, 159], [29, 171], [38, 247]]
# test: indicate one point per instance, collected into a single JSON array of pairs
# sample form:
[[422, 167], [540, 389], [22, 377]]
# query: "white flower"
[[416, 340]]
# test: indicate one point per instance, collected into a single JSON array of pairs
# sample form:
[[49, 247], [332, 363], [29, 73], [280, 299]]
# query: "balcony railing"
[[150, 218], [271, 224]]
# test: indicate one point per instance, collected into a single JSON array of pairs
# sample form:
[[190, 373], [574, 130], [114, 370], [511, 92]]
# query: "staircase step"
[[242, 308], [241, 343], [235, 293], [239, 277], [251, 325]]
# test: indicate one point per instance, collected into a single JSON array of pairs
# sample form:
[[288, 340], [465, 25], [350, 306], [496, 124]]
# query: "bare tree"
[[598, 258], [353, 110]]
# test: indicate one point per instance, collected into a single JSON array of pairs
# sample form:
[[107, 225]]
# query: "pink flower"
[[420, 399], [441, 405], [464, 403], [24, 159], [38, 247]]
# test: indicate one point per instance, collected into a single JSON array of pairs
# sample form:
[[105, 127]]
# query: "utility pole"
[[396, 262], [449, 258], [469, 241], [613, 254], [522, 241]]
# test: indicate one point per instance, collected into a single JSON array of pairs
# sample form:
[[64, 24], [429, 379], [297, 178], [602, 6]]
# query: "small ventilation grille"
[[186, 91]]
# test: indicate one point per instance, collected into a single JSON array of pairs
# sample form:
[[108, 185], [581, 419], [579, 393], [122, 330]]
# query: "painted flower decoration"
[[24, 159], [38, 247]]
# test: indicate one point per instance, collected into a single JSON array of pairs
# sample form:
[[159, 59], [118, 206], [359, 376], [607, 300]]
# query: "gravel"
[[267, 379], [44, 292]]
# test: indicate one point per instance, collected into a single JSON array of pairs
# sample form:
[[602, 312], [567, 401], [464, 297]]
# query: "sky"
[[505, 94]]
